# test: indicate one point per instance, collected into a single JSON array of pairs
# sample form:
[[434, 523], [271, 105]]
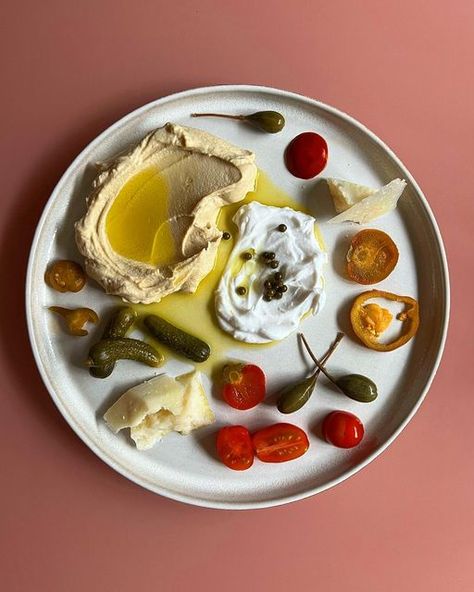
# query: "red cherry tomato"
[[306, 155], [244, 385], [280, 442], [234, 447], [343, 429]]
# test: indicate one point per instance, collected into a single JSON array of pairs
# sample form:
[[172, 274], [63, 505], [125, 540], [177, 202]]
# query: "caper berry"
[[282, 227], [274, 264], [241, 291], [247, 256], [226, 235], [268, 121]]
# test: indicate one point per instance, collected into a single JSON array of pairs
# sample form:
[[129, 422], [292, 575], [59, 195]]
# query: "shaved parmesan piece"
[[162, 392], [345, 194], [378, 204], [159, 406]]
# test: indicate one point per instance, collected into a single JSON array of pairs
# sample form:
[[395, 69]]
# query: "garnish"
[[234, 447], [274, 287], [65, 276], [247, 256], [282, 227], [343, 429], [189, 346], [109, 351], [241, 290], [119, 324], [355, 386], [370, 320], [226, 235], [294, 396], [76, 318], [371, 257], [271, 122], [306, 155], [280, 442], [244, 385]]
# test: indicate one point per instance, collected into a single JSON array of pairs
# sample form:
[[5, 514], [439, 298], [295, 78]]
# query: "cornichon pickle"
[[185, 344], [108, 351], [293, 397], [119, 324], [358, 387]]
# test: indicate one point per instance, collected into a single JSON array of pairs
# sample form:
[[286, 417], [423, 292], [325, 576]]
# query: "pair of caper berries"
[[274, 288]]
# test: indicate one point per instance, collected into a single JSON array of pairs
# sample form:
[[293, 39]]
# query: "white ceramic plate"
[[185, 468]]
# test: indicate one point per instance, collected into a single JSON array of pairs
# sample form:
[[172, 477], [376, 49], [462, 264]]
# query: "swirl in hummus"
[[201, 173]]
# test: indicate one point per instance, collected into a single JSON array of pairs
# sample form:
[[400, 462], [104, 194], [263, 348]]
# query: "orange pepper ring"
[[410, 317]]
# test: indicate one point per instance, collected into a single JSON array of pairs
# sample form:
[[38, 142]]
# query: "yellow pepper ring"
[[410, 317]]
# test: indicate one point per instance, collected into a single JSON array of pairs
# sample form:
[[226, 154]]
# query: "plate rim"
[[196, 500]]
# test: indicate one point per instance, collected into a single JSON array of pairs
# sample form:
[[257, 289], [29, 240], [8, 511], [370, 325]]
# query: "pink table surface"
[[70, 69]]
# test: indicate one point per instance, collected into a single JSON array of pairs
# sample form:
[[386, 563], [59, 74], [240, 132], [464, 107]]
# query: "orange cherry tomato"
[[371, 257], [234, 447], [244, 385], [280, 442]]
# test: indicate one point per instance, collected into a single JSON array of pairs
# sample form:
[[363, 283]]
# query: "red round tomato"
[[343, 429], [306, 155], [244, 386], [280, 442], [234, 447]]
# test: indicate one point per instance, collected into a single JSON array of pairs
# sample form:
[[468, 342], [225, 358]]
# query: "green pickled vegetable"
[[178, 340], [271, 122], [293, 397], [109, 351], [119, 324], [355, 386]]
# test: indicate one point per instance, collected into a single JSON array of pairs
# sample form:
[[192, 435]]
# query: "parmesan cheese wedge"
[[159, 406], [345, 194], [373, 206]]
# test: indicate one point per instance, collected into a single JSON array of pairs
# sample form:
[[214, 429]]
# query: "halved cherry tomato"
[[306, 155], [244, 385], [371, 257], [234, 447], [280, 442], [343, 429]]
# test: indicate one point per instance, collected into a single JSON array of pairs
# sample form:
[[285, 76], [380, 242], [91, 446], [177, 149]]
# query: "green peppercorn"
[[226, 235], [268, 255], [278, 295], [247, 256], [241, 291], [282, 288], [267, 284], [267, 297], [278, 277], [282, 227], [274, 264]]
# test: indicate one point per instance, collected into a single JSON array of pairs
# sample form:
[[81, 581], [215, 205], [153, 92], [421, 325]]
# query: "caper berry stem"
[[224, 115], [328, 354], [321, 368]]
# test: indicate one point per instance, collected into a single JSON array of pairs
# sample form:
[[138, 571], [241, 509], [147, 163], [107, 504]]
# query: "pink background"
[[70, 69]]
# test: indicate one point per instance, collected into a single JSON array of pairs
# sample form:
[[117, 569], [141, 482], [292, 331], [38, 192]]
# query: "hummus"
[[174, 244]]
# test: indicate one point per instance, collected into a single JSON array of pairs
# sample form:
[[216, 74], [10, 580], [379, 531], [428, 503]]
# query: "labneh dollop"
[[241, 306]]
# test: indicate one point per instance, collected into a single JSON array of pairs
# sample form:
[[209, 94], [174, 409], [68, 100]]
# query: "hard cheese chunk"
[[379, 203], [159, 406], [346, 194], [144, 400]]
